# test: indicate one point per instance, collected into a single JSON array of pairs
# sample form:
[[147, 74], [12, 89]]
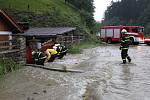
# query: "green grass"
[[47, 12], [7, 65], [34, 5], [39, 6], [91, 42]]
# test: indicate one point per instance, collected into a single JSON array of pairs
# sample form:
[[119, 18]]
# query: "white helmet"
[[124, 31], [54, 47], [57, 45]]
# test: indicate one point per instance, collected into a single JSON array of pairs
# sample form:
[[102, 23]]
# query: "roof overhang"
[[48, 31], [10, 21]]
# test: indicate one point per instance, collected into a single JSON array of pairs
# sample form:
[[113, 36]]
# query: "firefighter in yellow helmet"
[[124, 46]]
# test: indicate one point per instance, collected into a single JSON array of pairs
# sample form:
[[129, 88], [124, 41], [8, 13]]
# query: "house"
[[12, 44], [8, 27]]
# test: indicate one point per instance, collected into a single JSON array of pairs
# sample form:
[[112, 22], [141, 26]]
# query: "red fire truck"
[[147, 40], [111, 34]]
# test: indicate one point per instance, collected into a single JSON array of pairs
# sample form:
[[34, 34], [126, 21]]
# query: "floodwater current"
[[102, 77], [131, 81]]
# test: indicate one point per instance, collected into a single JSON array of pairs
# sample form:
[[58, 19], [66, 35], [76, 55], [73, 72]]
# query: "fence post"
[[72, 39], [22, 48]]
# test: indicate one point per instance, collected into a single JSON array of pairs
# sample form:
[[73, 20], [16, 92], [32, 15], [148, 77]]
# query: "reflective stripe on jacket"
[[125, 42]]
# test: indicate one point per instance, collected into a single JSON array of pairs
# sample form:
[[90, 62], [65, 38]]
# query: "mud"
[[103, 77]]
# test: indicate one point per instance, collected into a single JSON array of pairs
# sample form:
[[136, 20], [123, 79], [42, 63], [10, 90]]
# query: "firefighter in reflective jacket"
[[38, 56], [61, 49], [125, 42]]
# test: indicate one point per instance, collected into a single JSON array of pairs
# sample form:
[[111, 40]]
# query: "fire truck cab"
[[111, 34]]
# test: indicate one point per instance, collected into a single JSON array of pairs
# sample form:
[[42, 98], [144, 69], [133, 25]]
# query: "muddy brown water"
[[103, 77], [131, 81]]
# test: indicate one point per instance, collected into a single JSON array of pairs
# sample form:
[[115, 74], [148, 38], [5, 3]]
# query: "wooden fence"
[[69, 40], [6, 45], [14, 49]]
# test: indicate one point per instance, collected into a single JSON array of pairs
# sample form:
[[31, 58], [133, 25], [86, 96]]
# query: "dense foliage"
[[7, 65], [73, 13], [86, 10], [128, 12]]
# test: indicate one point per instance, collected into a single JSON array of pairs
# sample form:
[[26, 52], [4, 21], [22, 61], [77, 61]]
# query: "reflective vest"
[[125, 42]]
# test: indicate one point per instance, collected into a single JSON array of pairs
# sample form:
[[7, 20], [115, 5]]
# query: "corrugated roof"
[[48, 31]]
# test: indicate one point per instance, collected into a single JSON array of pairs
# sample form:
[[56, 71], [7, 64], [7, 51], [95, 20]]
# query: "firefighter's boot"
[[129, 59], [124, 61]]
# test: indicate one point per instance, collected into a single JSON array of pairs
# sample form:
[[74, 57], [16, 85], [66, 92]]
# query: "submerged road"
[[131, 81], [103, 77]]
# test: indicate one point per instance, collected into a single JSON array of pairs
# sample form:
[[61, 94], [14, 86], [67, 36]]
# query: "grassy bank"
[[44, 13], [91, 42], [7, 65]]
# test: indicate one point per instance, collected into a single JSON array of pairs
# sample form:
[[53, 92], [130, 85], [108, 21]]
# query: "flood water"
[[103, 77], [131, 81]]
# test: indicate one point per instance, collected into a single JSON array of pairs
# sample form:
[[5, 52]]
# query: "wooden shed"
[[8, 27], [63, 35]]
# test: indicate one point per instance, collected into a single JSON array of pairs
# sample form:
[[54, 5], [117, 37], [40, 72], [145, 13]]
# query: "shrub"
[[7, 65]]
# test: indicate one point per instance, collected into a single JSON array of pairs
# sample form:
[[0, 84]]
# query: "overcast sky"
[[101, 6]]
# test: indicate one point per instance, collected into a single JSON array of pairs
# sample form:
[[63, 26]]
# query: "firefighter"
[[38, 56], [124, 46], [61, 49], [51, 54]]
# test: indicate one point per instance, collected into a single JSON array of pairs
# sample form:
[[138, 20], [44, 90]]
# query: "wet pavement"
[[103, 77]]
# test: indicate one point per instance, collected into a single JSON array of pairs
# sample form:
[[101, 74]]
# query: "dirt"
[[103, 77]]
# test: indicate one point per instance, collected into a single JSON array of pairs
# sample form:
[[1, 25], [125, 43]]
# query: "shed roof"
[[50, 31], [10, 21]]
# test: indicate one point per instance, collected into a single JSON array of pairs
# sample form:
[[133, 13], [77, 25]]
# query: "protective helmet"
[[124, 31], [57, 45], [54, 47]]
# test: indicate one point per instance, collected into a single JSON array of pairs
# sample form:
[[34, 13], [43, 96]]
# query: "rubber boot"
[[124, 61], [129, 59]]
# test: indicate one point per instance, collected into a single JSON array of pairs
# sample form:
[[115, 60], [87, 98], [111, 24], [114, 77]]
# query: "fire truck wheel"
[[148, 43], [109, 41], [132, 41], [136, 43]]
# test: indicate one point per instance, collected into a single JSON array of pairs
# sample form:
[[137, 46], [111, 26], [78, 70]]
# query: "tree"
[[128, 12], [86, 10]]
